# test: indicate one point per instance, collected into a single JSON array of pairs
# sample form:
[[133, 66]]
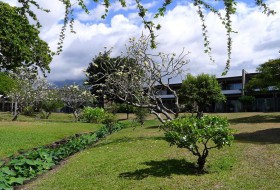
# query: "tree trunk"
[[15, 116], [199, 114], [127, 111], [76, 116], [201, 162], [48, 115]]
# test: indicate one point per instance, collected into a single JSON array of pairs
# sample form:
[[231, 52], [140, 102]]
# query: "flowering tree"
[[22, 94], [96, 79], [75, 97], [139, 82], [46, 97]]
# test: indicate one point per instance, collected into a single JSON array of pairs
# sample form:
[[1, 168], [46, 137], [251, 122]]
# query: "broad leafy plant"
[[93, 115], [199, 135]]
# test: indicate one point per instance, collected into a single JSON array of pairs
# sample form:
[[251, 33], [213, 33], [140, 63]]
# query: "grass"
[[140, 159], [29, 132]]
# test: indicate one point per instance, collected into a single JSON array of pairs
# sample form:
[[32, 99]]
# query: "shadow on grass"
[[263, 136], [164, 168], [257, 119], [154, 127], [127, 140]]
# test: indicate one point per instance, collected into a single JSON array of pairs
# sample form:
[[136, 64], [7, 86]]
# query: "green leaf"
[[7, 171], [14, 181]]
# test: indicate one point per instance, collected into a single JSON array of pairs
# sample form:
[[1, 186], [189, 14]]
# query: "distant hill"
[[68, 82]]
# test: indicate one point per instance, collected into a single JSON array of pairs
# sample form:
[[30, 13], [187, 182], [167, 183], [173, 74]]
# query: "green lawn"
[[29, 132], [140, 159]]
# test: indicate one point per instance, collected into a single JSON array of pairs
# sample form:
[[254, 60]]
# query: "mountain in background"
[[68, 82]]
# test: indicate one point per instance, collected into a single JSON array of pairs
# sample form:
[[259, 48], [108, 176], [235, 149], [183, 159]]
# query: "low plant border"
[[28, 165]]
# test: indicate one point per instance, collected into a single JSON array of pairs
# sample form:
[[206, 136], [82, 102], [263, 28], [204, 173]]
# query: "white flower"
[[146, 63]]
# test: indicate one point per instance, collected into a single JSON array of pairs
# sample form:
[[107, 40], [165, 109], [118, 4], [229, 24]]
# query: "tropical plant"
[[199, 135]]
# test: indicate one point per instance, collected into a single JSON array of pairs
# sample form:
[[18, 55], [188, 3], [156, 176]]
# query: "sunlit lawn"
[[29, 132], [140, 159]]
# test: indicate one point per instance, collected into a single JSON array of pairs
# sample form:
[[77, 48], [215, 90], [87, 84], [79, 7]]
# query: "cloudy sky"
[[257, 39]]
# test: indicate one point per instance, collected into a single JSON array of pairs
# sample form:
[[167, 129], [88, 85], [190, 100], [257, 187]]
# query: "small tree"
[[141, 114], [200, 91], [75, 97], [51, 102], [199, 135]]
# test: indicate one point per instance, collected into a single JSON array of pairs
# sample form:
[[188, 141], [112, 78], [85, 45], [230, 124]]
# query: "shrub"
[[141, 114], [28, 110], [199, 135], [109, 121], [93, 115]]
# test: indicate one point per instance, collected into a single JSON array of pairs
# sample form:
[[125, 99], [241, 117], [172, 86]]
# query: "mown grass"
[[29, 132], [140, 159]]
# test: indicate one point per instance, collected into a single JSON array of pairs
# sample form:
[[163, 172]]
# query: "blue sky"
[[257, 39]]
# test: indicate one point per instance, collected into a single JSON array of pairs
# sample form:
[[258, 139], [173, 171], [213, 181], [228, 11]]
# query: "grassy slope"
[[29, 133], [141, 159]]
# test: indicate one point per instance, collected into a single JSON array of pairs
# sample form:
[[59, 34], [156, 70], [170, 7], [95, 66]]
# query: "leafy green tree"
[[20, 44], [6, 83], [268, 76], [199, 135], [200, 91]]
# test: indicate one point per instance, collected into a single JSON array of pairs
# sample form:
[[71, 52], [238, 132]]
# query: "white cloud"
[[257, 39]]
